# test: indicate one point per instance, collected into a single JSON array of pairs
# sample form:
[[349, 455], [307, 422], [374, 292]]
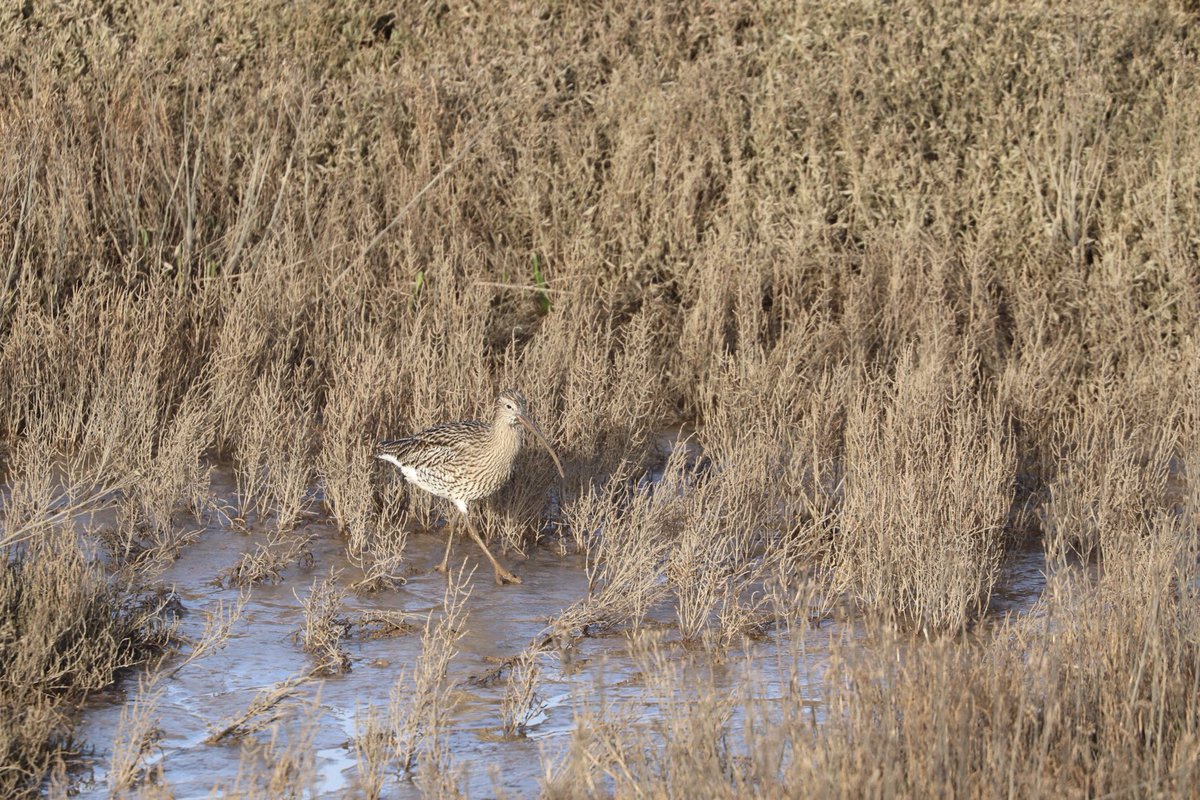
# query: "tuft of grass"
[[323, 628], [67, 629]]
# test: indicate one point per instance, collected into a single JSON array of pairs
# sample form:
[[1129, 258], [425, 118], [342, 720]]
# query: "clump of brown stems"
[[324, 628], [266, 564]]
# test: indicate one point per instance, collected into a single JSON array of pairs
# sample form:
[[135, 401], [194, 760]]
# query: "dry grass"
[[421, 698], [266, 564], [323, 627], [67, 629], [409, 742], [521, 704], [218, 625], [263, 712], [920, 275], [1097, 695], [136, 737], [928, 486], [284, 765]]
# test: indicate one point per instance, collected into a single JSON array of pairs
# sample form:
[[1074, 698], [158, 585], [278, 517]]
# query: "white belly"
[[425, 481]]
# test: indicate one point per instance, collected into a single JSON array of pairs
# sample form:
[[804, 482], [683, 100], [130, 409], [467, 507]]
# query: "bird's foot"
[[503, 576]]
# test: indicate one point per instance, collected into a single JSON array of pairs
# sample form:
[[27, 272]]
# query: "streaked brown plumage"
[[466, 461]]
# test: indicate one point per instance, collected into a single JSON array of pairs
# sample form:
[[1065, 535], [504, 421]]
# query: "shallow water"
[[1022, 580], [262, 651], [502, 621]]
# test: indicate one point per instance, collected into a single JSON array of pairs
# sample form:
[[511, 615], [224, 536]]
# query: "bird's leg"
[[449, 543], [503, 576]]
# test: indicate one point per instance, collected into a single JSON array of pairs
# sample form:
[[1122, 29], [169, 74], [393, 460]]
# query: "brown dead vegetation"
[[921, 275]]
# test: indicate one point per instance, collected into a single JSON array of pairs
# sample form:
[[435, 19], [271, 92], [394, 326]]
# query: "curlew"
[[467, 461]]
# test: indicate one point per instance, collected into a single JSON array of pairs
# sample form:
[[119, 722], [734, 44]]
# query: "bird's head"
[[512, 410], [511, 407]]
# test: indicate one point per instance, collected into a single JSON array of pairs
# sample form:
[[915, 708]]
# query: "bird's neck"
[[506, 437]]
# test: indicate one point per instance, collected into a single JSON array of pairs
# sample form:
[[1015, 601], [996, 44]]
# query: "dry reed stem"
[[285, 764], [262, 713], [68, 629], [218, 625], [927, 492], [408, 742]]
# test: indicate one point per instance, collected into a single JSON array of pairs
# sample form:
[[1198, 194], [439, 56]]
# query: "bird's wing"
[[432, 446]]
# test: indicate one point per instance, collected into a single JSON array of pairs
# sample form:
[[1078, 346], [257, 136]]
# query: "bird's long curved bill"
[[528, 423]]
